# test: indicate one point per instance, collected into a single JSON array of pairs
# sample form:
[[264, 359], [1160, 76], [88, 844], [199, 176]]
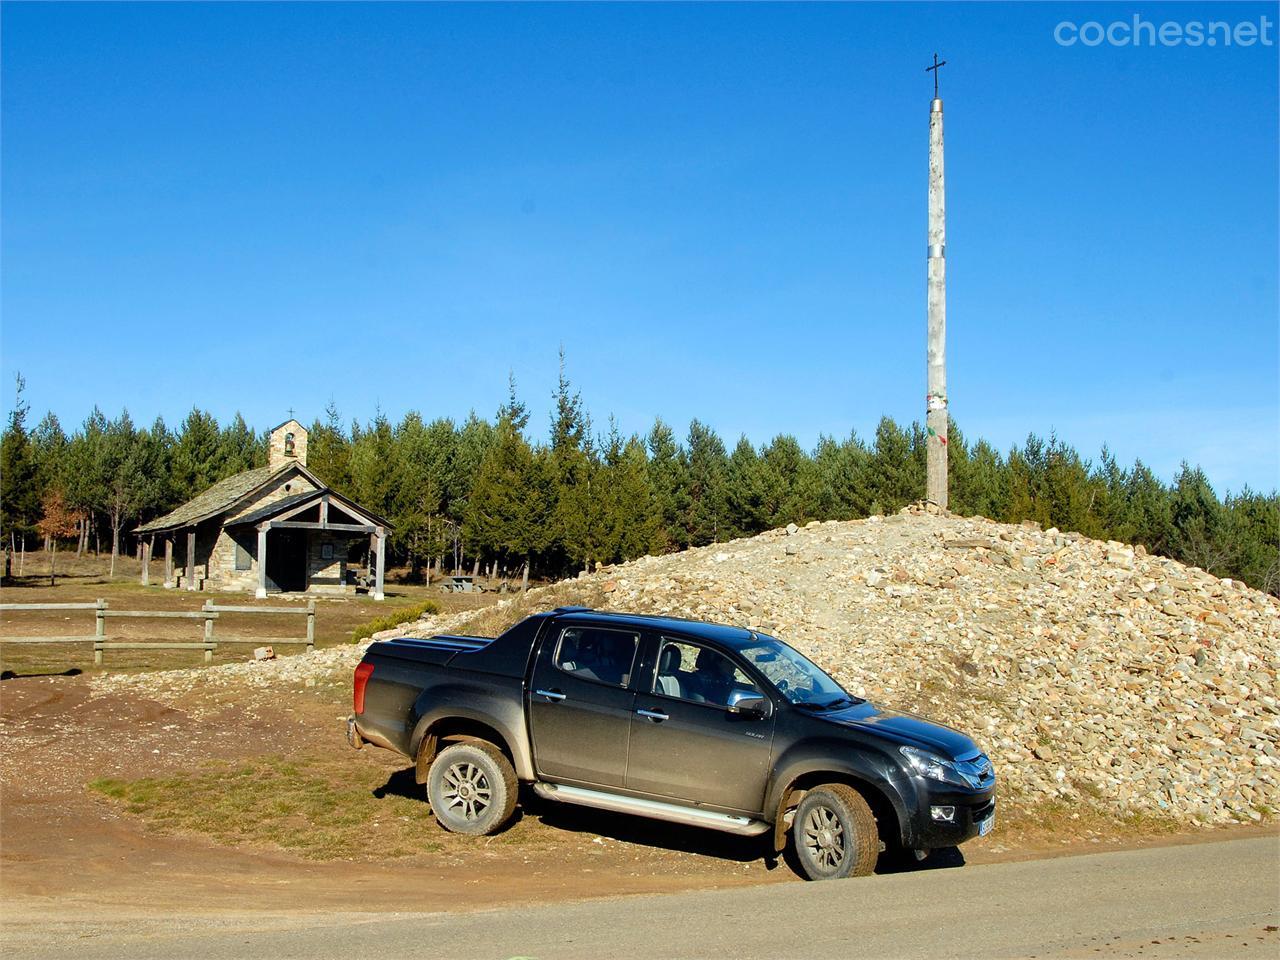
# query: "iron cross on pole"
[[934, 71]]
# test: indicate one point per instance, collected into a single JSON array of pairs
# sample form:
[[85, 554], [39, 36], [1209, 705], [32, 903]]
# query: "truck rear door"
[[580, 703]]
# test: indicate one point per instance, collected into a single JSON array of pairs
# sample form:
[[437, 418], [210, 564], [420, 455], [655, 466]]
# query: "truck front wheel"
[[472, 788], [835, 833]]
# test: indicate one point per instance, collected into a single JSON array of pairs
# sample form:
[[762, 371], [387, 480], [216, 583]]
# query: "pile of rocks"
[[1089, 670]]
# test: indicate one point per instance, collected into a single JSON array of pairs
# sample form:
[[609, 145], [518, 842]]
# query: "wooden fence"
[[210, 613]]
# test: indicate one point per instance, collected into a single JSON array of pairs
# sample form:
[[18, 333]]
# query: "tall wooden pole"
[[936, 401]]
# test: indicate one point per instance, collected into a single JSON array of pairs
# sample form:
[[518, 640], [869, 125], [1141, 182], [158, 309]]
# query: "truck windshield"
[[795, 676]]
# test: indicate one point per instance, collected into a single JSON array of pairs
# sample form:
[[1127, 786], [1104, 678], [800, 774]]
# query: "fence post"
[[209, 642], [311, 625], [99, 631]]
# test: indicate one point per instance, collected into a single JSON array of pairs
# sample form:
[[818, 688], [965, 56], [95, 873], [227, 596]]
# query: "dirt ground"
[[62, 844], [65, 844]]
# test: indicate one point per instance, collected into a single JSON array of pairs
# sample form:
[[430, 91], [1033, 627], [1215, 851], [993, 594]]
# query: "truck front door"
[[580, 704]]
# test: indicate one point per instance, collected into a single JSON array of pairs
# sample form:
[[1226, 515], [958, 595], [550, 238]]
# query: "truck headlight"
[[933, 767]]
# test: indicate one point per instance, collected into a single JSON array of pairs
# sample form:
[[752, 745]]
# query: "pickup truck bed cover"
[[506, 655]]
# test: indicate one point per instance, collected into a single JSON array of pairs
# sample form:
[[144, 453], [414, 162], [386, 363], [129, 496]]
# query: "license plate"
[[984, 826]]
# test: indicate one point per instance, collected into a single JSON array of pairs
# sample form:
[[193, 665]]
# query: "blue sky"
[[718, 210]]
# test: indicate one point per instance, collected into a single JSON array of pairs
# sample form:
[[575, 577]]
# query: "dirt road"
[[1204, 900]]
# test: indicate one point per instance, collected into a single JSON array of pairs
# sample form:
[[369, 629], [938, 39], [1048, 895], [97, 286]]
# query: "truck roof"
[[717, 632]]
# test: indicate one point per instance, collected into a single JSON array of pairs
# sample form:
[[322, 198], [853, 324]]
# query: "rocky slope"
[[1088, 670]]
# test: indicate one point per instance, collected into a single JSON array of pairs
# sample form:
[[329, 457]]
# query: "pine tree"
[[239, 449], [894, 478], [1067, 490], [373, 466], [1148, 510], [198, 460], [329, 450], [570, 536], [984, 490], [85, 477], [1253, 527], [474, 440], [1199, 523], [815, 486], [424, 455], [19, 503], [131, 477], [707, 517], [669, 477], [636, 522], [49, 446], [845, 471], [747, 494], [789, 482], [1110, 504], [505, 512]]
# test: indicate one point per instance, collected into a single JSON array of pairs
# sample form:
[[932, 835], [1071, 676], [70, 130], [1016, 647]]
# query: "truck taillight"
[[363, 673]]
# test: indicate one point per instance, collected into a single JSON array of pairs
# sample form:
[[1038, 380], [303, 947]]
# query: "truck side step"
[[656, 809]]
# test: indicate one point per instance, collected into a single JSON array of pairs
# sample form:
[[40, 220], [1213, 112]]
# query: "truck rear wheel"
[[835, 833], [472, 788]]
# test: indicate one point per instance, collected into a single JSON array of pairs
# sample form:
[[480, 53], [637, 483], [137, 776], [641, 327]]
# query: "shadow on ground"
[[12, 675], [401, 784], [669, 836]]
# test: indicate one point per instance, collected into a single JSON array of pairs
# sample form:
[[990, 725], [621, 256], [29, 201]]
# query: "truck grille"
[[978, 770]]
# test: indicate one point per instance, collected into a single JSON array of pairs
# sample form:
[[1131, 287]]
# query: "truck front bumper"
[[948, 819], [951, 822]]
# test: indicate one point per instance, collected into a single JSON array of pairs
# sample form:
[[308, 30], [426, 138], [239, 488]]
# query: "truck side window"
[[700, 674], [594, 654]]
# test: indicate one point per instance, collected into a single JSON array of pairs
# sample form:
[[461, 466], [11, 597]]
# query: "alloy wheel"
[[466, 790], [824, 838]]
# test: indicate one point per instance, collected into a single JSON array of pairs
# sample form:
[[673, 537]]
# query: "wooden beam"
[[302, 507], [262, 563], [146, 562], [159, 614], [191, 559], [168, 562], [86, 639], [324, 510], [311, 525], [100, 631], [48, 606], [381, 536], [269, 611]]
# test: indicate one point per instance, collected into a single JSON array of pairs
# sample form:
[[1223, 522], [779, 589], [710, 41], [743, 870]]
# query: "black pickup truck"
[[694, 723]]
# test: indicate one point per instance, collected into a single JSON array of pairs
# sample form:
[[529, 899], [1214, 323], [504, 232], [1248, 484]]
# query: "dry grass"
[[317, 807], [403, 615]]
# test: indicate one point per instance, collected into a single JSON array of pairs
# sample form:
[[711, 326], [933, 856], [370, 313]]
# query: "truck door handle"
[[550, 694], [655, 716]]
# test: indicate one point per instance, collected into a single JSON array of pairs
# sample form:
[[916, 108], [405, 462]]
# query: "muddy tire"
[[472, 788], [835, 834]]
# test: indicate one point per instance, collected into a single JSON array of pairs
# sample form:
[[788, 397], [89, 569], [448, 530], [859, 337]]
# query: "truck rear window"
[[595, 654]]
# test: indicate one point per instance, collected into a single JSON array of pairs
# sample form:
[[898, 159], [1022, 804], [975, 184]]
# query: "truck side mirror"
[[750, 704]]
